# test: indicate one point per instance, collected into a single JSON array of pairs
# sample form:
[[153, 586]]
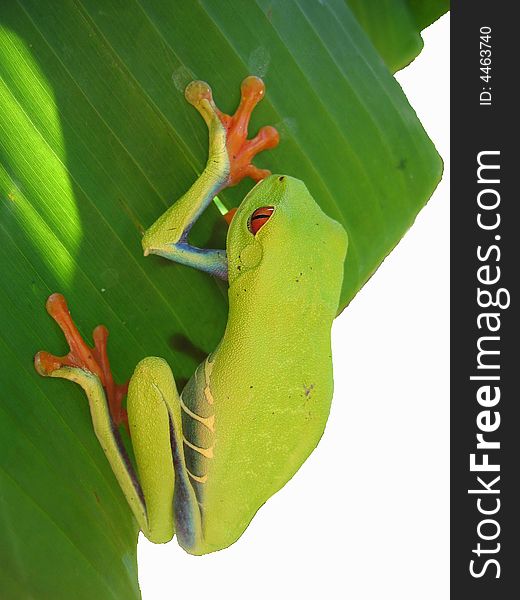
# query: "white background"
[[367, 516]]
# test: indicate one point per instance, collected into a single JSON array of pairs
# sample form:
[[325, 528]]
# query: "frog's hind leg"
[[82, 356], [155, 427], [88, 368], [156, 430]]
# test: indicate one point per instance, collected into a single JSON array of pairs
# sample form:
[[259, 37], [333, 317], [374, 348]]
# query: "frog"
[[206, 459]]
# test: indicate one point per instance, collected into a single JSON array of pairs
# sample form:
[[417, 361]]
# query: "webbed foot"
[[240, 150], [82, 356]]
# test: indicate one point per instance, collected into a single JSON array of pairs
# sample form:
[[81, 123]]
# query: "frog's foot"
[[81, 356], [240, 150]]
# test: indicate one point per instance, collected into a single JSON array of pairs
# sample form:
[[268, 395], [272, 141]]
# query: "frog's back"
[[267, 388]]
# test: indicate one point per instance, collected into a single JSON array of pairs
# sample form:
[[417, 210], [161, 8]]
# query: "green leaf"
[[394, 26], [426, 12], [96, 140]]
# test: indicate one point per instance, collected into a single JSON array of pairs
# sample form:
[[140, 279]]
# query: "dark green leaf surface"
[[425, 12], [394, 26], [96, 140]]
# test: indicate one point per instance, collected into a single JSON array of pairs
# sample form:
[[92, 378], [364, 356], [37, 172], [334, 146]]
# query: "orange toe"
[[241, 150], [95, 360]]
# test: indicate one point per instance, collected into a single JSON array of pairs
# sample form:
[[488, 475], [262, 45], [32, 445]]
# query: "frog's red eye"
[[259, 218]]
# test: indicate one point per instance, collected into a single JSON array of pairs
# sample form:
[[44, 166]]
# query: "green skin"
[[257, 406]]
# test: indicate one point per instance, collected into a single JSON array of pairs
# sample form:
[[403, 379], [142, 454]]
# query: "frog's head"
[[280, 237]]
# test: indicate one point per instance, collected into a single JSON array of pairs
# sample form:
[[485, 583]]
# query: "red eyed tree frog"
[[254, 410]]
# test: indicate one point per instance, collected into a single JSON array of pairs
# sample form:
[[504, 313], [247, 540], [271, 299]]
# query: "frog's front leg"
[[229, 161], [160, 493]]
